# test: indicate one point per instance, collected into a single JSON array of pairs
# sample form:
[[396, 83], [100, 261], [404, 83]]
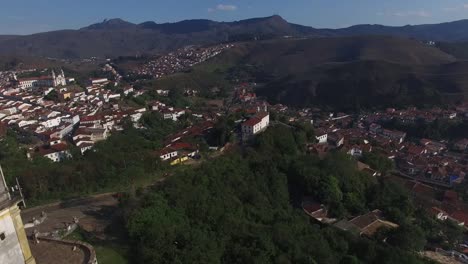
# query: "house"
[[167, 154], [172, 114], [321, 136], [92, 120], [394, 135], [255, 124], [416, 150], [155, 106], [335, 139], [94, 134], [178, 152], [358, 150], [162, 92], [316, 210], [98, 81], [460, 217], [438, 213], [128, 90], [366, 225], [56, 151], [84, 146]]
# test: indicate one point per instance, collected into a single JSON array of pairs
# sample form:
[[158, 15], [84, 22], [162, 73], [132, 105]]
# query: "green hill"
[[349, 72]]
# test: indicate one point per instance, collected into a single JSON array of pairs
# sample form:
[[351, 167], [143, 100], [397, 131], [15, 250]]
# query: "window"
[[2, 236]]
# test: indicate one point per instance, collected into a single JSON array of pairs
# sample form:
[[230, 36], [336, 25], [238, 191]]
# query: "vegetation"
[[106, 252], [52, 96], [366, 72], [439, 129], [378, 162], [237, 209], [127, 158]]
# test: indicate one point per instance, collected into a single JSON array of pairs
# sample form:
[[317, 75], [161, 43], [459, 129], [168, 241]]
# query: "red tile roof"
[[252, 122], [460, 216], [46, 150]]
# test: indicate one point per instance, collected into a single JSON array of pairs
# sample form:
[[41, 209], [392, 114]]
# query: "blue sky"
[[29, 16]]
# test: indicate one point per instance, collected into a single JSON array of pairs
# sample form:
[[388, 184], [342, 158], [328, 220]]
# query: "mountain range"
[[345, 73], [116, 37]]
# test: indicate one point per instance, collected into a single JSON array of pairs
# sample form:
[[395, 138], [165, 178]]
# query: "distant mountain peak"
[[113, 23], [276, 17]]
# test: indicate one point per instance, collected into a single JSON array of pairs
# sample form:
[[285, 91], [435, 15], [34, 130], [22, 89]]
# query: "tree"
[[378, 162], [407, 237], [52, 96]]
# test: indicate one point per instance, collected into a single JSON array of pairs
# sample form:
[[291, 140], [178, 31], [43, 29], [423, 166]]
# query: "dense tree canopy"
[[237, 209]]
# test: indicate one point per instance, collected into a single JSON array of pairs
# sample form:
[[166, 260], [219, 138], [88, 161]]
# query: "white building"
[[255, 124], [57, 151], [168, 154], [98, 81], [14, 246], [52, 122], [322, 137], [43, 81]]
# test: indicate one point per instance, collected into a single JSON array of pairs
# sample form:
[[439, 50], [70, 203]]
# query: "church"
[[43, 81], [14, 245]]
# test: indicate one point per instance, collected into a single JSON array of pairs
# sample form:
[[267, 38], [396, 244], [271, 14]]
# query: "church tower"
[[14, 243], [54, 79]]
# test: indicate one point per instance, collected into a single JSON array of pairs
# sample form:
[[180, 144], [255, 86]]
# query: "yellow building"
[[14, 246]]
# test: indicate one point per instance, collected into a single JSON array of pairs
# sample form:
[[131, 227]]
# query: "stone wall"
[[87, 248]]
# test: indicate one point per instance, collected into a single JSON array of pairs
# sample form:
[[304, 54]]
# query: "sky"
[[32, 16]]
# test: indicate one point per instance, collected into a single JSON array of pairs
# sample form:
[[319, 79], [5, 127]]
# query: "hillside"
[[449, 31], [347, 73], [300, 54], [116, 37]]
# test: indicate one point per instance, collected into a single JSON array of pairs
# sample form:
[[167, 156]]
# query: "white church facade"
[[43, 81]]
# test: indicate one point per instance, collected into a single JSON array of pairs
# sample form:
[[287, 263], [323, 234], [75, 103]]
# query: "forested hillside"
[[240, 209]]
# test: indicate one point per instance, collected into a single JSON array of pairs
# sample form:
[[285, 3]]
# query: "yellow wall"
[[178, 161]]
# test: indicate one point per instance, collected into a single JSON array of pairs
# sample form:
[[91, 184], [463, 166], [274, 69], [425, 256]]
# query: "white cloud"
[[222, 7], [455, 8], [420, 13]]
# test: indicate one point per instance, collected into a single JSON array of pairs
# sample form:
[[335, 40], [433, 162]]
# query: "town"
[[179, 60], [55, 114]]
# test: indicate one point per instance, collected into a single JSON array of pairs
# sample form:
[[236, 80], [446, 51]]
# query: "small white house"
[[255, 124]]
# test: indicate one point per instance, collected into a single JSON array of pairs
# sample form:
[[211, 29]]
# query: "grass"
[[107, 252], [110, 255]]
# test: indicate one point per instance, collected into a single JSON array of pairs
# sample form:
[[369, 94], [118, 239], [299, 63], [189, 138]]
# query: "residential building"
[[56, 151], [366, 225], [255, 124], [98, 81], [394, 135], [321, 136]]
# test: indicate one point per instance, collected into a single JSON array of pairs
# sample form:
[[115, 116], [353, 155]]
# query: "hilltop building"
[[43, 81], [14, 246], [255, 124]]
